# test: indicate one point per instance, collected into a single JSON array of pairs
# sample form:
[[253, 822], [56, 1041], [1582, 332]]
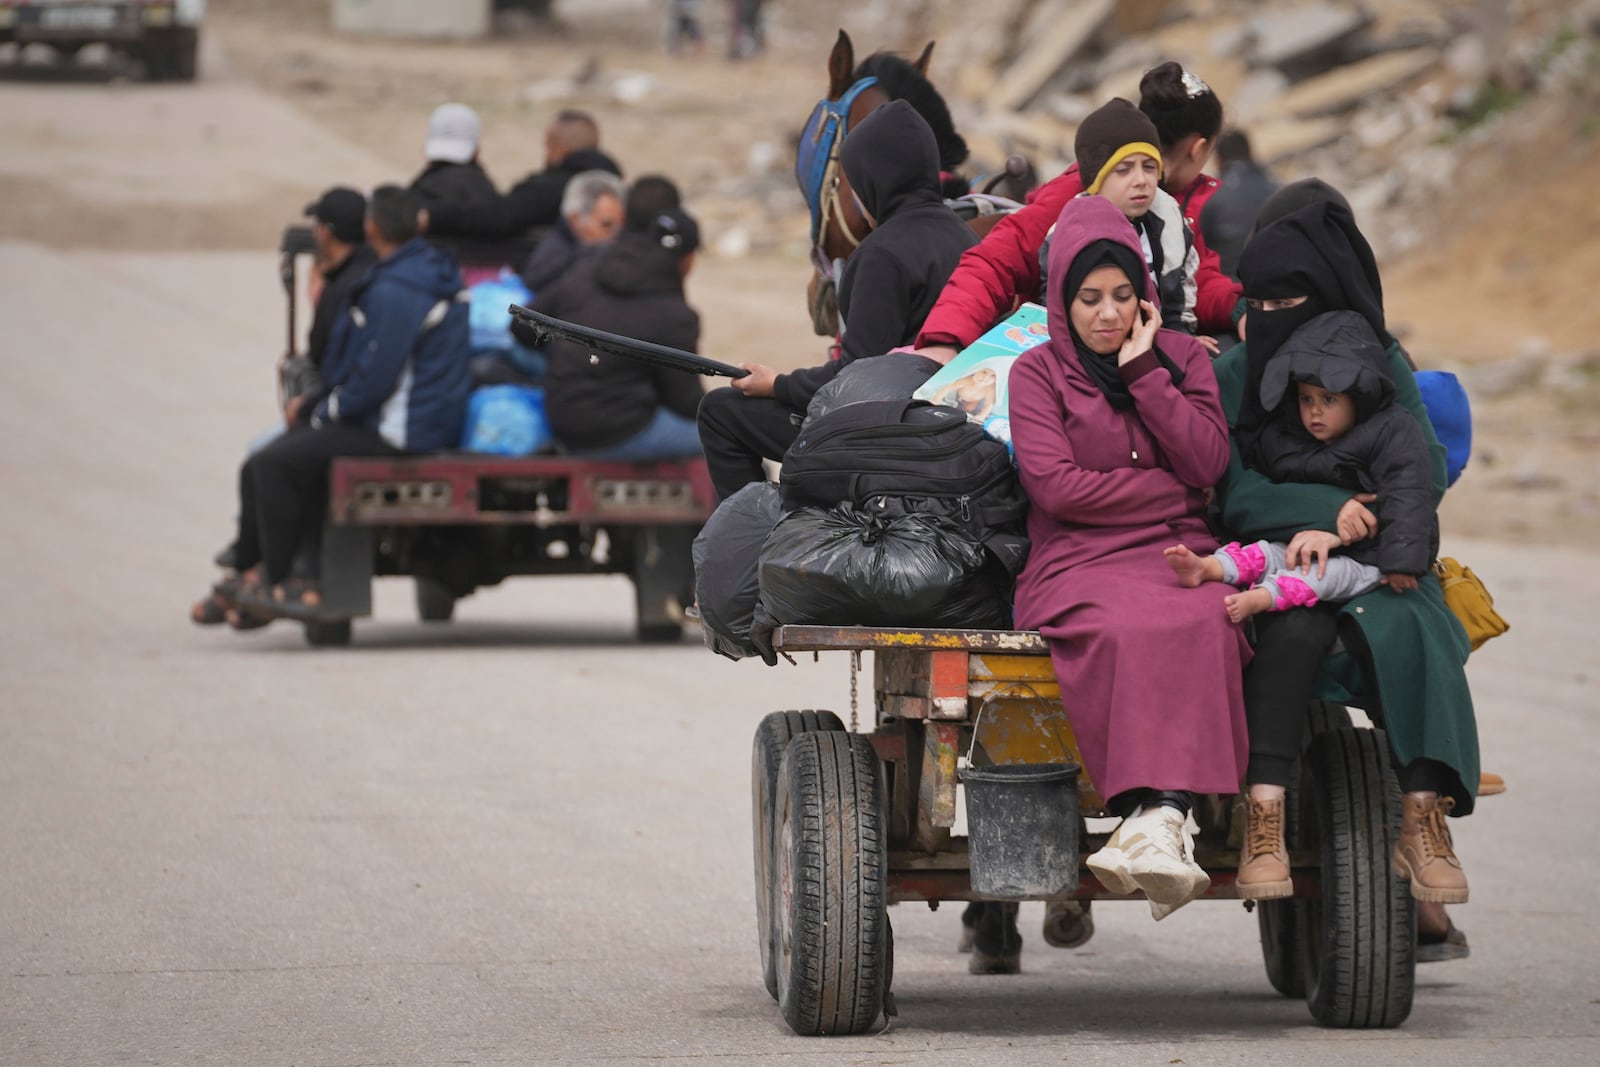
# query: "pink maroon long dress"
[[1150, 672]]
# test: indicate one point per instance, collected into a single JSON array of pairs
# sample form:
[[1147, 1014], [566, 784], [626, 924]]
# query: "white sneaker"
[[1157, 848], [1110, 864]]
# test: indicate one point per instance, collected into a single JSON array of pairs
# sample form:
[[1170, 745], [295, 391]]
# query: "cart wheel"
[[1359, 937], [435, 602], [829, 889], [772, 737], [334, 634], [1282, 921]]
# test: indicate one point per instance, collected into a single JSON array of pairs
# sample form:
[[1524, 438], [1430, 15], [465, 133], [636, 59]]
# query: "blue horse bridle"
[[817, 161]]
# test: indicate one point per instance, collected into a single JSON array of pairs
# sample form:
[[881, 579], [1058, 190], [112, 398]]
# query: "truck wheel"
[[175, 57], [659, 633], [1359, 937], [334, 634], [435, 602], [772, 737], [830, 883]]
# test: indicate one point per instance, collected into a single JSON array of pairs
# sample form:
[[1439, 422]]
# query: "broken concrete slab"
[[1304, 39], [1273, 142], [1058, 42], [1348, 87]]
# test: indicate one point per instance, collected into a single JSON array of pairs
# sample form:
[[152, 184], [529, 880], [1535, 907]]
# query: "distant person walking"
[[1230, 214], [746, 35], [683, 27]]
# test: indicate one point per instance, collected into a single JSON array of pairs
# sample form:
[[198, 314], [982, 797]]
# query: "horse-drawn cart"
[[847, 823]]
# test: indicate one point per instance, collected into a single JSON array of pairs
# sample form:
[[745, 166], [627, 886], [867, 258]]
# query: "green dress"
[[1418, 646]]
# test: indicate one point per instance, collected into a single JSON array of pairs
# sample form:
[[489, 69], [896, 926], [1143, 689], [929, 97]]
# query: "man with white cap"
[[572, 146], [453, 174]]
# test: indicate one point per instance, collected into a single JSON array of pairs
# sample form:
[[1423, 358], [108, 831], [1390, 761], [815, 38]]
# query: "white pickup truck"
[[163, 34]]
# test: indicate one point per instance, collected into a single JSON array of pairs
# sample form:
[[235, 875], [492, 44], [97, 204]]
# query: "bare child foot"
[[1192, 569], [1250, 602]]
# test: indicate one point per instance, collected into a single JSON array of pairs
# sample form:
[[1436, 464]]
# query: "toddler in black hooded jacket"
[[1334, 422]]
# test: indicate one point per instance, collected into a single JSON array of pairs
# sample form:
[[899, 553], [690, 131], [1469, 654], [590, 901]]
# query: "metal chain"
[[855, 669]]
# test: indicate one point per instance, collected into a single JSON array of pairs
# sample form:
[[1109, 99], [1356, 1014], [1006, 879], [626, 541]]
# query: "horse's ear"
[[922, 61], [841, 66]]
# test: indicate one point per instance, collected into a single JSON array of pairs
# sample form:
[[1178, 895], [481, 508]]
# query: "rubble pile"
[[1381, 99]]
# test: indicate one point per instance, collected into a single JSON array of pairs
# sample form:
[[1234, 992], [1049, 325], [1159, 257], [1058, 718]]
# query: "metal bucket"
[[1022, 829]]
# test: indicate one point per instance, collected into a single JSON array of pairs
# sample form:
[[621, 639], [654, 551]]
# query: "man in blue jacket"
[[396, 381]]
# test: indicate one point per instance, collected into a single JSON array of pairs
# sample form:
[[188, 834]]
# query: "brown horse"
[[837, 225]]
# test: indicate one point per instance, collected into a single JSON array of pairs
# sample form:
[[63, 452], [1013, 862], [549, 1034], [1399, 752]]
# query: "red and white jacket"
[[1002, 270]]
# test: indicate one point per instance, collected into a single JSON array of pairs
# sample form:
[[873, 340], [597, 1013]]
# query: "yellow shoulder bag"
[[1465, 595]]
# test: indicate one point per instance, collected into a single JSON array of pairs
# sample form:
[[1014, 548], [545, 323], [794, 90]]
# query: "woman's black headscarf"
[[1315, 251], [1103, 368]]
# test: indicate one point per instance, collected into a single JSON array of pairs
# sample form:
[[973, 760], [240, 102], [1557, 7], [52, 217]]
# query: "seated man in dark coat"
[[571, 146], [591, 212], [889, 284], [396, 381], [1230, 215], [453, 174], [611, 407]]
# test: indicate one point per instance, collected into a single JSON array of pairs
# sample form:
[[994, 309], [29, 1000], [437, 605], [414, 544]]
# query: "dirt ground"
[[1496, 292]]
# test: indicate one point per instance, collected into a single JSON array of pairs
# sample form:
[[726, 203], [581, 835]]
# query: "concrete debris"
[[1345, 88], [1304, 36], [1256, 95], [1060, 41]]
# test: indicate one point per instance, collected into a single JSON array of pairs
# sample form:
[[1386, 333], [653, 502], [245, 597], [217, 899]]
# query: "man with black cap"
[[343, 258]]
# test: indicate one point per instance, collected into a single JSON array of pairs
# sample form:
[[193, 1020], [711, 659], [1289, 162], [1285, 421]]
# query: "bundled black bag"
[[892, 376], [726, 553], [841, 566], [905, 457]]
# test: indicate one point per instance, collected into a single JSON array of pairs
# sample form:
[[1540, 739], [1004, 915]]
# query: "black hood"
[[636, 264], [891, 160], [1338, 351]]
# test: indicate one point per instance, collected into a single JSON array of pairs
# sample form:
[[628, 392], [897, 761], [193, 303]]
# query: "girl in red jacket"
[[1003, 270]]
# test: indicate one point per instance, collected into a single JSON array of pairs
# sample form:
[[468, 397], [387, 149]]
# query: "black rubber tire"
[[1360, 936], [435, 602], [328, 634], [659, 633], [772, 737], [1281, 922], [830, 885], [174, 57]]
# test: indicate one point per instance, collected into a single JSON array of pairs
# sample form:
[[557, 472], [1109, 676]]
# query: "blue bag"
[[1451, 415], [506, 420], [489, 317]]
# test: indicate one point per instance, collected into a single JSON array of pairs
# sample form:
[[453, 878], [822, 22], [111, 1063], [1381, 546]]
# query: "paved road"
[[522, 838]]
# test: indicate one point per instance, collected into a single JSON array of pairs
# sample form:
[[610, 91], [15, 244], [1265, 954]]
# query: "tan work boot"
[[1263, 859], [1425, 854]]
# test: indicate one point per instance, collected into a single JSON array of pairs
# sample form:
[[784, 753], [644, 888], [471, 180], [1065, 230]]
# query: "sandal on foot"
[[295, 598], [212, 610]]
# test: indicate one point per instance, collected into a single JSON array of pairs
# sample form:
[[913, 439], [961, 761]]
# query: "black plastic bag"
[[727, 552], [843, 567], [892, 376]]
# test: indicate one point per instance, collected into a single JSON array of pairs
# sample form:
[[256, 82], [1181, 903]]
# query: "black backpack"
[[904, 456]]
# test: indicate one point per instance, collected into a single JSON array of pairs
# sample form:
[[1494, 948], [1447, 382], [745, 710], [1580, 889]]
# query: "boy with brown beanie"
[[1118, 158]]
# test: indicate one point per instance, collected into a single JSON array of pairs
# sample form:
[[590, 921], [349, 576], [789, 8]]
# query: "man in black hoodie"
[[889, 284], [611, 407], [571, 146]]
